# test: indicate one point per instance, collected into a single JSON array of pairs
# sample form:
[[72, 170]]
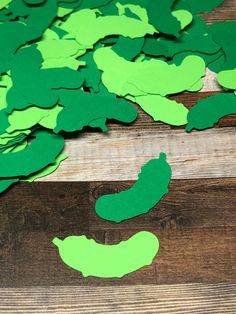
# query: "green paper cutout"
[[47, 170], [29, 87], [5, 85], [227, 79], [163, 109], [217, 64], [25, 119], [4, 3], [62, 48], [152, 185], [128, 48], [3, 121], [34, 2], [108, 261], [58, 78], [15, 34], [136, 78], [224, 34], [50, 121], [88, 28], [197, 6], [208, 58], [41, 152], [92, 76], [193, 39], [91, 4], [5, 184], [14, 139], [81, 108], [160, 15], [16, 148], [210, 110]]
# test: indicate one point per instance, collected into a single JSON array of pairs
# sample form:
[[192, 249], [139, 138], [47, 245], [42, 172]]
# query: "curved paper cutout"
[[41, 152], [81, 108], [108, 261], [210, 110], [151, 186]]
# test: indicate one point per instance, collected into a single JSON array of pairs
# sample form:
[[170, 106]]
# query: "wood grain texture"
[[195, 222], [171, 299], [96, 156], [226, 11]]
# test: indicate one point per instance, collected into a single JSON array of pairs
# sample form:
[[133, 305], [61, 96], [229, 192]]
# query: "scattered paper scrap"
[[151, 186], [108, 261]]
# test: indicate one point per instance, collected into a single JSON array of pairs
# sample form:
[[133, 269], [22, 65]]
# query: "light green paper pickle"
[[227, 79], [108, 261], [163, 109], [147, 77], [26, 118], [87, 28]]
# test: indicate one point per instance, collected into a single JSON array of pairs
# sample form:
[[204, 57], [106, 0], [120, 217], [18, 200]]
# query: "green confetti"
[[108, 261], [210, 110], [81, 108], [41, 152], [87, 28], [163, 109], [136, 78], [227, 79], [224, 34], [151, 186]]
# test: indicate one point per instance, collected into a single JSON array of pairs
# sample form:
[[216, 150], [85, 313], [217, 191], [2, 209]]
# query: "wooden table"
[[195, 270]]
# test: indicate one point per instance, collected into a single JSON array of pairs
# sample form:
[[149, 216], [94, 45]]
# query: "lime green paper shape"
[[210, 110], [25, 119], [50, 121], [81, 108], [151, 186], [5, 85], [227, 79], [41, 152], [163, 109], [88, 28], [61, 48], [136, 78], [108, 261]]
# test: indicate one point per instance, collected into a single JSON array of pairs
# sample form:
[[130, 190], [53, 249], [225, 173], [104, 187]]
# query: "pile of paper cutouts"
[[70, 64]]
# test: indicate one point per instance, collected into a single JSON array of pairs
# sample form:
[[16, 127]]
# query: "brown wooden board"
[[195, 222]]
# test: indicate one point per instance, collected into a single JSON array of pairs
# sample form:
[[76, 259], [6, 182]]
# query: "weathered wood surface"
[[195, 222], [166, 299], [119, 155]]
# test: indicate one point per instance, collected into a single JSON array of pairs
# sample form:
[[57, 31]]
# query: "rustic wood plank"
[[119, 155], [195, 223], [204, 203], [227, 11], [163, 299]]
